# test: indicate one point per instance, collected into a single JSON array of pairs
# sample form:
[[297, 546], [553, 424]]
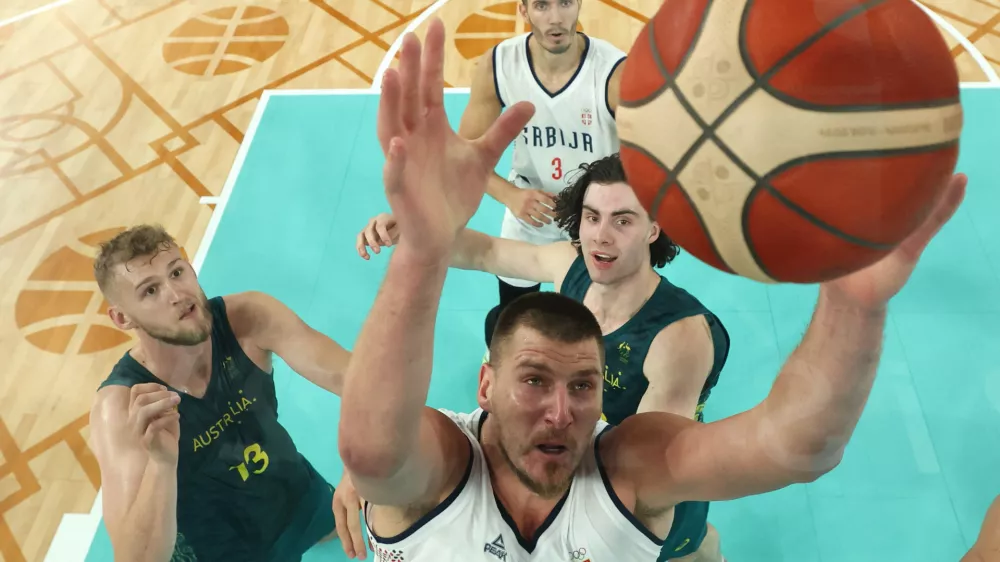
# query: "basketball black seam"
[[665, 187], [765, 185], [659, 61], [708, 130]]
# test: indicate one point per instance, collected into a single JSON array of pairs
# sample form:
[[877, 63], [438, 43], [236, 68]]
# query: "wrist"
[[423, 257], [833, 300], [160, 466]]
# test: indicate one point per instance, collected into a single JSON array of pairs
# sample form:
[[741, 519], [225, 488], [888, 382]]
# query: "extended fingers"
[[409, 73], [945, 209], [432, 71], [390, 120], [395, 163], [503, 131]]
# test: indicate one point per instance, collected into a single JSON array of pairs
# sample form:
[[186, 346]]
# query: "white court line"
[[398, 43], [984, 64], [227, 188], [35, 12], [76, 531], [209, 200], [342, 92]]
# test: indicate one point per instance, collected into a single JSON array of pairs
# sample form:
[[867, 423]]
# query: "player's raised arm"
[[800, 430], [485, 106], [474, 250], [134, 435], [395, 449]]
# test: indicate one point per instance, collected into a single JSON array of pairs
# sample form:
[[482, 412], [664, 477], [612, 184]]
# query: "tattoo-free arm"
[[274, 327], [139, 494], [398, 452], [798, 433], [678, 363]]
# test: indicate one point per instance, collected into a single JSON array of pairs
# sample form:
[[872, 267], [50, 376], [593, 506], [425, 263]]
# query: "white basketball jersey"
[[570, 127], [470, 525]]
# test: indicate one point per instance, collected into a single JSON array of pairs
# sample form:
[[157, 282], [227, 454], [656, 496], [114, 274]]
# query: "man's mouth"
[[188, 312], [603, 258], [552, 449]]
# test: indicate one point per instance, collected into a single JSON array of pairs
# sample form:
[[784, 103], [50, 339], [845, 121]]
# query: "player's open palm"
[[154, 421], [434, 179]]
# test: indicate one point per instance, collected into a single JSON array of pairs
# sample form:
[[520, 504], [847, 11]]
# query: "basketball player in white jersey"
[[572, 80], [533, 474]]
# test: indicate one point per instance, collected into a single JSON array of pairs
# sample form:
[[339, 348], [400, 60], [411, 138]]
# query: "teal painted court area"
[[925, 459]]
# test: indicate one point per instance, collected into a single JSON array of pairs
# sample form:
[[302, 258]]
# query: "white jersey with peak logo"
[[471, 525], [570, 127]]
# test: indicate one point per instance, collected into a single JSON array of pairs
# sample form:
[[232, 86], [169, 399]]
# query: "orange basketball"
[[789, 141]]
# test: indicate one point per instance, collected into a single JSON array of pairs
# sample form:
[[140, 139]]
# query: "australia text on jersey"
[[216, 429]]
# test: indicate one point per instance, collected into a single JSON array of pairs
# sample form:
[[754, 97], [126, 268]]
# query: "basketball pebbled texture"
[[789, 141]]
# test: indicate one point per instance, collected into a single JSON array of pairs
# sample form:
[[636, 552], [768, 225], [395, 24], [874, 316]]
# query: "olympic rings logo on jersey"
[[578, 554]]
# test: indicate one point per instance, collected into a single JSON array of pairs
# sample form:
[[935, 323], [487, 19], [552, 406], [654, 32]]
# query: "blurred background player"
[[194, 463], [573, 82]]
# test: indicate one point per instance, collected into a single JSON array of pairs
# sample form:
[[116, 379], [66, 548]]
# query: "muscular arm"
[[798, 433], [138, 494], [679, 361], [273, 327], [482, 110], [547, 263], [987, 547], [397, 451]]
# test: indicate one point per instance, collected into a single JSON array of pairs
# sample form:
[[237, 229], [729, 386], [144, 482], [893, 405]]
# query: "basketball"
[[789, 142]]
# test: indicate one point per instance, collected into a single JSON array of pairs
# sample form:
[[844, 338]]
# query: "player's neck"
[[527, 509], [176, 365], [549, 66], [615, 304]]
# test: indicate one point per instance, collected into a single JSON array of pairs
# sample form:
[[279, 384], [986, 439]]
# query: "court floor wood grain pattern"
[[114, 112]]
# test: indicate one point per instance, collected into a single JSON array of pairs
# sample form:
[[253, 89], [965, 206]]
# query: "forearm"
[[817, 399], [473, 251], [386, 383], [150, 522], [500, 189]]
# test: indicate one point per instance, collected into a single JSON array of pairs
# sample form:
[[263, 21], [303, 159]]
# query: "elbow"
[[368, 460], [814, 462]]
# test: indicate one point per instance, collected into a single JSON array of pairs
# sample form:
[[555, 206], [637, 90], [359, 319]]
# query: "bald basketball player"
[[533, 473], [194, 462], [664, 350], [987, 547], [573, 82]]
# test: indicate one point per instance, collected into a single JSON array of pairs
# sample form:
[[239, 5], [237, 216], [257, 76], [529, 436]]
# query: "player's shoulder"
[[605, 50], [468, 422]]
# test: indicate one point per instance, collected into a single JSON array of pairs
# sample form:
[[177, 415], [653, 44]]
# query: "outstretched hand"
[[434, 179], [871, 288]]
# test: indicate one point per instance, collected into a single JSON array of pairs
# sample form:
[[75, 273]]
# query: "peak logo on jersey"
[[587, 117], [496, 548]]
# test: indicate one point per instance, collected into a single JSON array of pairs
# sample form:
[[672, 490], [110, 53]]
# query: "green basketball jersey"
[[626, 348], [240, 478], [625, 383]]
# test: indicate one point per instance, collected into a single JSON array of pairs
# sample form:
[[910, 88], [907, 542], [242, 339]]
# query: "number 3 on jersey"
[[557, 164]]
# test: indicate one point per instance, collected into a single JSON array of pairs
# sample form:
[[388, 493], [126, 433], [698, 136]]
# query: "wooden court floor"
[[114, 112]]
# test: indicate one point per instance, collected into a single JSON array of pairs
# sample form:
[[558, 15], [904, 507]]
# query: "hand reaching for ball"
[[872, 287], [434, 179]]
